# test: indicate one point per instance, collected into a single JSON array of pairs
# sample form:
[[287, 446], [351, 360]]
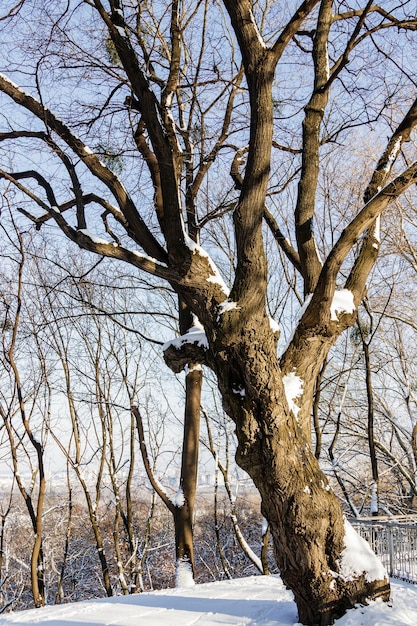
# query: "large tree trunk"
[[312, 542]]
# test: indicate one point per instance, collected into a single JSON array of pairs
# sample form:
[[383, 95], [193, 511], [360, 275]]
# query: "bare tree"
[[21, 402], [260, 563], [155, 87]]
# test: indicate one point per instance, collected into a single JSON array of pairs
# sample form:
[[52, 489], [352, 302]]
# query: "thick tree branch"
[[370, 248], [314, 113], [83, 238], [251, 44], [211, 156], [160, 127], [260, 64], [327, 282], [153, 166], [292, 27]]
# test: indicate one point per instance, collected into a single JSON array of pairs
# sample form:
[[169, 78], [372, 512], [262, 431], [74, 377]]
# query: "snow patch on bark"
[[93, 238], [342, 303], [377, 229], [227, 305], [197, 367], [357, 558], [293, 387], [15, 86], [215, 277], [393, 154], [374, 498], [318, 252], [145, 257], [256, 29], [179, 500], [121, 31], [274, 325], [184, 574]]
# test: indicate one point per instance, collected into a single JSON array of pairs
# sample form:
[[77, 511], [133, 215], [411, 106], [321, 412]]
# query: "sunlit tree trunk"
[[306, 522]]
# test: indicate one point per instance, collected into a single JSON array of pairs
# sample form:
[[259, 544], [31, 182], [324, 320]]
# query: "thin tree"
[[22, 403]]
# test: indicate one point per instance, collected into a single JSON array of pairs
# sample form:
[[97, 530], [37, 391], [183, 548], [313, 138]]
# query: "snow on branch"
[[342, 303], [215, 276], [187, 348]]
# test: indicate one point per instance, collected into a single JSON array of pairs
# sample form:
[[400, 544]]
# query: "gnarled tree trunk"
[[312, 543]]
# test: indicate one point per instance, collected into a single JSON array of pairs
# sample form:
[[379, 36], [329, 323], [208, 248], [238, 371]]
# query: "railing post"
[[390, 541]]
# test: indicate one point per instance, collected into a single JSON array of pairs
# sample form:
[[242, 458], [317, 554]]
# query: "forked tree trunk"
[[306, 522]]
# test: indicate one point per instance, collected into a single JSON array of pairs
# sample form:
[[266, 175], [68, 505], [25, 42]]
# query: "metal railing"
[[395, 542]]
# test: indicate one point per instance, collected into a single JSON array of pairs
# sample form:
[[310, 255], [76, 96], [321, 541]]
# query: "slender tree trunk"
[[183, 515], [184, 509], [370, 429], [59, 596], [316, 405]]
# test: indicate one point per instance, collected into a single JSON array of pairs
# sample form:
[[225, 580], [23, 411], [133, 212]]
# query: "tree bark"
[[183, 515], [306, 522]]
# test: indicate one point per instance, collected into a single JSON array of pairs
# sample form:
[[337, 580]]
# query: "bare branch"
[[410, 24], [282, 241], [136, 226], [370, 247], [377, 204], [146, 462]]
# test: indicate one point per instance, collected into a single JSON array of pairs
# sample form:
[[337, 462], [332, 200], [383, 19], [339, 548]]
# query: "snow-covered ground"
[[255, 601]]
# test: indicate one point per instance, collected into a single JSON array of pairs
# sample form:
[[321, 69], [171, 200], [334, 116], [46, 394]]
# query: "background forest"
[[81, 339]]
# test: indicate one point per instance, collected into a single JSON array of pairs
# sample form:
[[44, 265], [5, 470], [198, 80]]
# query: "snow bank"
[[358, 558]]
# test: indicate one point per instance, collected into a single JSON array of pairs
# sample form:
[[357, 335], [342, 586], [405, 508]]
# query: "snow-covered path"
[[254, 601]]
